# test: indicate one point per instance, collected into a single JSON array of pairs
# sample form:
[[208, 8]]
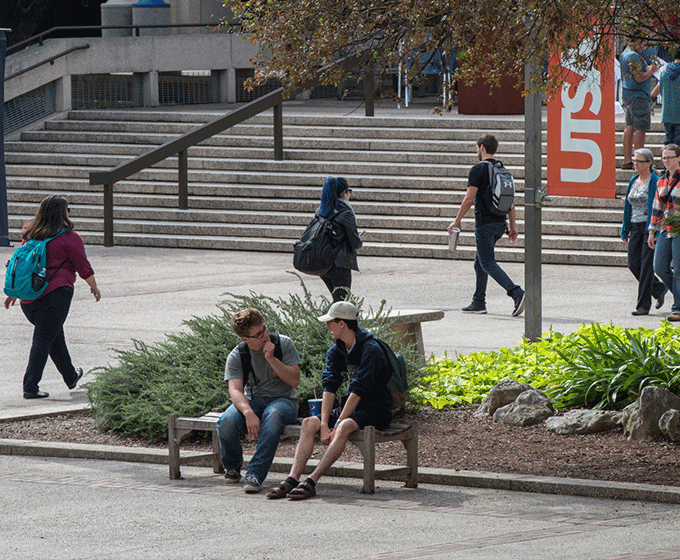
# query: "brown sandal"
[[281, 491], [304, 490]]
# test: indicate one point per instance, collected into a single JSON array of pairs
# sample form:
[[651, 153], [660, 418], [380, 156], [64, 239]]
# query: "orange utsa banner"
[[581, 131]]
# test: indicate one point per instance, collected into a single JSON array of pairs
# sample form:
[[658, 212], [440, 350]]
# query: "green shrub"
[[185, 373], [595, 366], [467, 379], [607, 367]]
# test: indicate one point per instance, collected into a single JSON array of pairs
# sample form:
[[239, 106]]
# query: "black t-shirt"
[[479, 177]]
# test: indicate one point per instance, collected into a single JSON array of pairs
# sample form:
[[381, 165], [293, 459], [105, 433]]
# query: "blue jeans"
[[486, 237], [274, 413], [672, 133], [667, 252], [48, 315]]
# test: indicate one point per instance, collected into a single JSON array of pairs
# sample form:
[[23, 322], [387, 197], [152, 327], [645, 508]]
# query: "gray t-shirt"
[[265, 383], [637, 198]]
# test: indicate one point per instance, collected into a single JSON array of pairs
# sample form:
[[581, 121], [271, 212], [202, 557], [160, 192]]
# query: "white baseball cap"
[[340, 310]]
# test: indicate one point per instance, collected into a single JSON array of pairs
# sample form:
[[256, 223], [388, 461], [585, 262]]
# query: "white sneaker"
[[252, 485]]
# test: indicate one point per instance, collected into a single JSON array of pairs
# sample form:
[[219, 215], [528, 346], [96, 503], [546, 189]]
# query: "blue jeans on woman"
[[274, 413], [48, 314], [667, 252], [486, 237]]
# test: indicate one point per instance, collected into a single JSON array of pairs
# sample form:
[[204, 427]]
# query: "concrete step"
[[501, 122], [248, 129], [408, 174]]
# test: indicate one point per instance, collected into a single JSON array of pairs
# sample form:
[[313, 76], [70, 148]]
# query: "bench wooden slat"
[[365, 440]]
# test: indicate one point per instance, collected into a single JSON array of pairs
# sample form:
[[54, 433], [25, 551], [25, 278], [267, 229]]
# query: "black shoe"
[[474, 308], [519, 304], [640, 312], [660, 299], [38, 395], [79, 375]]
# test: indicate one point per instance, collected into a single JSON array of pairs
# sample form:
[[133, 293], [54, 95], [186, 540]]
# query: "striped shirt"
[[666, 201]]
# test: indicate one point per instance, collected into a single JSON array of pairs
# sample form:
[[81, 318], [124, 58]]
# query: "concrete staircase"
[[408, 175]]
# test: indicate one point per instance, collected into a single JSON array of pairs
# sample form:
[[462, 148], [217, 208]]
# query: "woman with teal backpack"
[[65, 257]]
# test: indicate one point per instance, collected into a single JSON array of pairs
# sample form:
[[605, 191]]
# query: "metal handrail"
[[180, 146], [47, 60], [41, 36]]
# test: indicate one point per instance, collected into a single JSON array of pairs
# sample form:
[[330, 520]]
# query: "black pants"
[[48, 314], [641, 264], [338, 281]]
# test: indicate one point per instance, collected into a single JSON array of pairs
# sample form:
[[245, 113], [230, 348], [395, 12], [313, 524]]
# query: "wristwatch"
[[337, 423]]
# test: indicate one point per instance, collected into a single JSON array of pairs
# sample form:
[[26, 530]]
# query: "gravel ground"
[[453, 439]]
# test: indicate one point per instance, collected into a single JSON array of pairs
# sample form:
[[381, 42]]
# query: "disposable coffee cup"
[[314, 407], [453, 239]]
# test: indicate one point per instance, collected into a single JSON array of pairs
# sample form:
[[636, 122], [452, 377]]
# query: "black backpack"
[[318, 246], [398, 383], [244, 353], [500, 197]]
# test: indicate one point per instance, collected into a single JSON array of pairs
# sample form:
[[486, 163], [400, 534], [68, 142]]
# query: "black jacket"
[[345, 219], [368, 369]]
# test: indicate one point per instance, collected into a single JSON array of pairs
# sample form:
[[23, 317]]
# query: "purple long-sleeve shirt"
[[67, 247]]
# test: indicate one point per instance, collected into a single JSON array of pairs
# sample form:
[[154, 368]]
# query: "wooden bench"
[[365, 440], [407, 322]]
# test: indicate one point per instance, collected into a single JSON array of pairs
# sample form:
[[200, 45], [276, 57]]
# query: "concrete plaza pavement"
[[148, 292], [61, 509]]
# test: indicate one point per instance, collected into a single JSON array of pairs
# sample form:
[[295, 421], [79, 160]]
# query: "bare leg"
[[627, 144], [305, 446], [639, 139], [335, 449]]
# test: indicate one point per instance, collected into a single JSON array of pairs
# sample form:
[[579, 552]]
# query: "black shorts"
[[380, 419]]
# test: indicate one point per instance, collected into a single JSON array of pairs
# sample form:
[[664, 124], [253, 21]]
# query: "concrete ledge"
[[472, 479], [45, 409]]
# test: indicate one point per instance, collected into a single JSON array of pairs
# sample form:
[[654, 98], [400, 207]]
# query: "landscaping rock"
[[530, 407], [584, 422], [641, 419], [669, 424], [505, 392]]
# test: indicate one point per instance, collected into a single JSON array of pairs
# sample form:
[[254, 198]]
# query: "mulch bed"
[[451, 439]]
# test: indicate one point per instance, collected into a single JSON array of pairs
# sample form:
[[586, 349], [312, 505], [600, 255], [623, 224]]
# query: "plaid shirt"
[[666, 201]]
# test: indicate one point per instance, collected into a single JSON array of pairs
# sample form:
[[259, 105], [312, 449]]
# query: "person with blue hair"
[[335, 206]]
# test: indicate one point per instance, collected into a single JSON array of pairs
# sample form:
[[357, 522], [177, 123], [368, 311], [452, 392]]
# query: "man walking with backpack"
[[262, 372], [488, 187], [368, 401]]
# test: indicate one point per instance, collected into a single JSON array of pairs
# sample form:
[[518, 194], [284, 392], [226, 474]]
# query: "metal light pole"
[[533, 196], [4, 222]]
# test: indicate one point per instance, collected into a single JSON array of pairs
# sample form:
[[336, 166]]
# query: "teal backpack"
[[26, 276]]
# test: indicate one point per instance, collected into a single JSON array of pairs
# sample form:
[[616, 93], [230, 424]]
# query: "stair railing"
[[180, 145]]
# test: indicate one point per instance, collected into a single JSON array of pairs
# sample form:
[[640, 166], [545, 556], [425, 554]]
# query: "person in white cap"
[[368, 401]]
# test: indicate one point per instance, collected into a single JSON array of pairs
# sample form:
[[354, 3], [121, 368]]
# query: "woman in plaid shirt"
[[667, 246]]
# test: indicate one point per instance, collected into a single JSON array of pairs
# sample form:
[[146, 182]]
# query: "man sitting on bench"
[[262, 372], [368, 401]]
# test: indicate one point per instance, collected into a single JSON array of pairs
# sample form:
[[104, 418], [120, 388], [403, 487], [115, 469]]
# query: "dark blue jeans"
[[667, 265], [486, 237], [48, 315]]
